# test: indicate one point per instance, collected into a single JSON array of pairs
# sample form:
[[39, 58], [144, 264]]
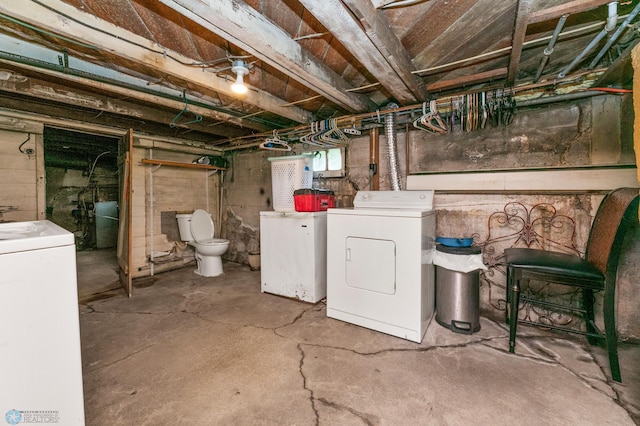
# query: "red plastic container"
[[313, 200]]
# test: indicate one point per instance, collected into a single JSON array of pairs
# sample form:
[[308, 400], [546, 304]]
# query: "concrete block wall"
[[21, 177], [545, 137]]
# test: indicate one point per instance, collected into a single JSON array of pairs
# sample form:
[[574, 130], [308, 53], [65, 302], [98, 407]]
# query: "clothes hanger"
[[275, 143]]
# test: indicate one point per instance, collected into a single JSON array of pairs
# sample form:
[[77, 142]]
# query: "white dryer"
[[379, 268]]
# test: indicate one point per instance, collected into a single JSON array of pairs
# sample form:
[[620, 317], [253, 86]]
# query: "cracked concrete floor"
[[206, 351]]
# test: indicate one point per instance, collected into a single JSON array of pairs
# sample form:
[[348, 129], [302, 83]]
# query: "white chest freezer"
[[293, 254]]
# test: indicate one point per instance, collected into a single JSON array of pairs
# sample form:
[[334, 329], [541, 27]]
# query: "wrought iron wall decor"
[[540, 226]]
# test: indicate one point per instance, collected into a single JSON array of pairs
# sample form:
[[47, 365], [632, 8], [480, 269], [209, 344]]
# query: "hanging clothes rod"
[[442, 104]]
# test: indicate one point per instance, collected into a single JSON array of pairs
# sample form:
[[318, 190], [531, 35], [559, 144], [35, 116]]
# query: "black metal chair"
[[596, 272]]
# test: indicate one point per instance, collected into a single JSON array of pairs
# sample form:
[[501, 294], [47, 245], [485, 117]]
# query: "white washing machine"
[[40, 357], [380, 273]]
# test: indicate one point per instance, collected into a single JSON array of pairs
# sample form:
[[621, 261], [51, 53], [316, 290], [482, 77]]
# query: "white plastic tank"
[[184, 226]]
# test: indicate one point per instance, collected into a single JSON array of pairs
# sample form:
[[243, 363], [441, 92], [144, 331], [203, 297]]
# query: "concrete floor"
[[206, 351], [97, 272]]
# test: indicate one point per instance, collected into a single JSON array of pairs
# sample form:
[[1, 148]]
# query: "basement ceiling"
[[164, 66]]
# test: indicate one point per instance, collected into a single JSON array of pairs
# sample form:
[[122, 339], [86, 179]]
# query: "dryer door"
[[371, 264]]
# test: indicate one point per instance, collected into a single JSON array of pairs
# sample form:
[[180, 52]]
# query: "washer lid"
[[201, 225]]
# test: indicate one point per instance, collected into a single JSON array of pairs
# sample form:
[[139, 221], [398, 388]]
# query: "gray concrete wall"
[[593, 131], [246, 191]]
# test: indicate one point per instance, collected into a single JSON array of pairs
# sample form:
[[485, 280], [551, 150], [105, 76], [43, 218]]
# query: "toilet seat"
[[213, 242], [202, 227]]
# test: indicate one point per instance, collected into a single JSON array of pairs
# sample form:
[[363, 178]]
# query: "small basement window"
[[329, 163]]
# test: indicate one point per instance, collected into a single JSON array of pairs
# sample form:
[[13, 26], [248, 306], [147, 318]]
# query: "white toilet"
[[197, 230]]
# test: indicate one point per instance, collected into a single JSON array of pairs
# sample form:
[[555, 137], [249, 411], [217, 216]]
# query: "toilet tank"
[[184, 226]]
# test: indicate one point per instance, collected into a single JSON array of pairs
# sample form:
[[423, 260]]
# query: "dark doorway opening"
[[82, 193]]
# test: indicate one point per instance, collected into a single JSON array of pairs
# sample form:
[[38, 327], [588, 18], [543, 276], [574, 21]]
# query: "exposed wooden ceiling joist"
[[467, 80], [555, 12], [117, 92], [312, 59], [88, 30], [519, 31], [365, 32], [244, 27]]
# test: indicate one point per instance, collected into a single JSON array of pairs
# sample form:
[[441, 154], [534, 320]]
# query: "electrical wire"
[[84, 24], [159, 52], [165, 54], [94, 163], [22, 144], [610, 89], [400, 3], [40, 30]]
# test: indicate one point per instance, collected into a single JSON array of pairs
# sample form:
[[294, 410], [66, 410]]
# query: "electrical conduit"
[[549, 49], [610, 25], [615, 36]]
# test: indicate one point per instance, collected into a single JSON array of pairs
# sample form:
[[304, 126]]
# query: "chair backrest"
[[616, 212]]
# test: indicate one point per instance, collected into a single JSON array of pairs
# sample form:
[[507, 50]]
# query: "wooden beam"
[[467, 80], [367, 34], [147, 98], [78, 97], [133, 48], [470, 33], [182, 165], [243, 26], [519, 32], [574, 6]]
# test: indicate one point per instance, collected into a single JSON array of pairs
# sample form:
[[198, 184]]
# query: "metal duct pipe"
[[392, 148], [582, 54], [613, 14], [549, 50], [66, 163], [614, 37], [559, 98]]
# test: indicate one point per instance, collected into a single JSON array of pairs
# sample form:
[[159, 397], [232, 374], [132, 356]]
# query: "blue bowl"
[[455, 242]]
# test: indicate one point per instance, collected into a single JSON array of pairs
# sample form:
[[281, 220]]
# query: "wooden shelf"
[[183, 165]]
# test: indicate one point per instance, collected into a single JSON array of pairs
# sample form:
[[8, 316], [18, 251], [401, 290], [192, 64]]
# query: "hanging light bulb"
[[240, 68], [239, 87]]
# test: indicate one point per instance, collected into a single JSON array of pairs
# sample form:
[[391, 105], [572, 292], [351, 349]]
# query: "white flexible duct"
[[392, 149]]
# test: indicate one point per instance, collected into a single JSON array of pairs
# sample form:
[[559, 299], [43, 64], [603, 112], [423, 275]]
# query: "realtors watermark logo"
[[14, 417]]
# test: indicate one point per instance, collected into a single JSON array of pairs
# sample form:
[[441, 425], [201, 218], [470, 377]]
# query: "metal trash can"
[[458, 294]]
